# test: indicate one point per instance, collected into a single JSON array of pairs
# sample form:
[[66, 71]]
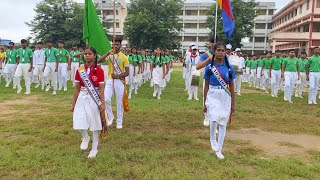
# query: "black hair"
[[74, 45], [278, 51], [94, 51], [226, 60], [60, 41], [303, 52], [317, 47], [118, 40], [11, 43], [48, 41], [292, 50], [39, 42], [23, 41]]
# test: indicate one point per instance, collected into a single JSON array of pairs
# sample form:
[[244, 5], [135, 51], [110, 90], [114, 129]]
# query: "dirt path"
[[7, 107], [276, 144]]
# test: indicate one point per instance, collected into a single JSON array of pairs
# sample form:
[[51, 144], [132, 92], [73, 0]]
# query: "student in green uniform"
[[259, 77], [64, 66], [265, 72], [290, 71], [130, 78], [253, 71], [51, 66], [136, 70], [247, 73], [74, 63], [313, 75], [10, 65], [158, 73], [302, 63], [275, 71], [152, 67], [25, 65]]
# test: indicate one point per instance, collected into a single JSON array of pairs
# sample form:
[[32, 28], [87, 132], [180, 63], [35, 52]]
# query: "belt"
[[215, 87]]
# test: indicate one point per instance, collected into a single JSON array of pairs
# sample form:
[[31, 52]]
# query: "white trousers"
[[266, 79], [275, 82], [74, 67], [237, 83], [314, 78], [290, 79], [300, 87], [62, 74], [50, 74], [253, 77], [114, 85], [105, 71], [247, 74], [259, 78], [23, 70], [9, 71], [38, 74]]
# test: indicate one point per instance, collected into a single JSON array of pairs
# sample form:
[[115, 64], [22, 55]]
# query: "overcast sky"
[[14, 13]]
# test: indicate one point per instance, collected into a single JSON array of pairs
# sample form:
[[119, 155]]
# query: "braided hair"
[[226, 60]]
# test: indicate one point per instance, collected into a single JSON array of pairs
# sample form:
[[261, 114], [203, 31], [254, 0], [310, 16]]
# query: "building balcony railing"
[[290, 36]]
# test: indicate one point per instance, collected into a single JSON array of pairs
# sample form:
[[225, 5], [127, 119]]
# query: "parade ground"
[[161, 139]]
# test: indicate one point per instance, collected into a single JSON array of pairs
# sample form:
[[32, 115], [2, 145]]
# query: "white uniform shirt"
[[191, 62], [38, 57]]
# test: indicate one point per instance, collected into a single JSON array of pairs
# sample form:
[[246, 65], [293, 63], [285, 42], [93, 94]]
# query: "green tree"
[[244, 13], [153, 23], [57, 20]]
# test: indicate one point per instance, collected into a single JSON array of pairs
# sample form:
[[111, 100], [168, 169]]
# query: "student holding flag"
[[219, 96], [88, 101]]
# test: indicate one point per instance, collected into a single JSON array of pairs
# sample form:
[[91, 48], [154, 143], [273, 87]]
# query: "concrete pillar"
[[273, 46]]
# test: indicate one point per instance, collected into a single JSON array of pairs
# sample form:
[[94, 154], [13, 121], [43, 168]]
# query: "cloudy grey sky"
[[14, 13]]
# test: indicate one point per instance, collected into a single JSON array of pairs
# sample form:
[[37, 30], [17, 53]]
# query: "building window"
[[308, 2], [260, 25], [203, 26], [190, 26], [181, 12], [117, 25], [190, 38], [300, 9], [262, 12], [103, 1], [295, 12], [270, 12], [191, 12], [318, 4], [316, 27], [203, 39], [188, 12], [204, 12], [306, 28], [269, 26], [259, 39]]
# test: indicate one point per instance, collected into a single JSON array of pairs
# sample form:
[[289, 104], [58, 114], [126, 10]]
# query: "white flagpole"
[[215, 23]]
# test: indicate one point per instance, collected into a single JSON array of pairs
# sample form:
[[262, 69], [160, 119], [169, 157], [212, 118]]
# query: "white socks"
[[217, 146], [86, 140]]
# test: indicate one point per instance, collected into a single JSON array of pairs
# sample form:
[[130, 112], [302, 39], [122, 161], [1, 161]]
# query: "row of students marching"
[[45, 66], [288, 72], [145, 65]]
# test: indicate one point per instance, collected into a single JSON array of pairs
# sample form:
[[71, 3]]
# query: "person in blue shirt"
[[206, 59], [219, 96]]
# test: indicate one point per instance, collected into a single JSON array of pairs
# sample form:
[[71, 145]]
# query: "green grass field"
[[160, 139]]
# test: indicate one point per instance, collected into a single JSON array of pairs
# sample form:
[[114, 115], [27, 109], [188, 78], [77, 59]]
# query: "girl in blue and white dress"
[[219, 98]]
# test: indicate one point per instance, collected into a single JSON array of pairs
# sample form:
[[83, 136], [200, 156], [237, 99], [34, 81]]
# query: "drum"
[[195, 80]]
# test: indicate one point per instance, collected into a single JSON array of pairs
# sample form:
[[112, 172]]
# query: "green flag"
[[93, 32]]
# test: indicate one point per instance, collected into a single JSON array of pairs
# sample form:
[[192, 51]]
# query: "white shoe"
[[135, 92], [119, 126], [296, 95], [129, 97], [159, 97], [154, 95], [7, 85], [219, 155], [60, 89], [319, 97], [19, 90], [197, 99], [310, 102], [266, 92], [290, 102], [37, 86], [300, 97], [84, 144], [14, 87], [28, 92], [239, 94], [47, 88], [54, 93], [272, 95], [215, 147], [206, 122], [285, 99], [93, 154], [315, 102], [109, 122], [189, 98], [65, 89]]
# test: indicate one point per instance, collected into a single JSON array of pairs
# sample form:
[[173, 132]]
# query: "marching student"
[[184, 69], [290, 71], [158, 73], [88, 101], [130, 78], [302, 63], [313, 75], [10, 66], [148, 69], [206, 59], [239, 70], [51, 65], [118, 69], [74, 62], [247, 72], [38, 62], [136, 70], [265, 72], [193, 73], [275, 71], [64, 66], [253, 71], [283, 55], [259, 77], [2, 62], [152, 67], [24, 67], [219, 96], [140, 71]]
